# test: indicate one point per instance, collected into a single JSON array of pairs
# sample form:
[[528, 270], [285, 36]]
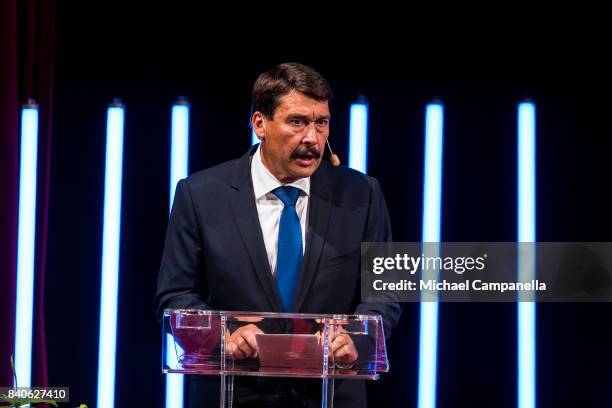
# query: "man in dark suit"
[[276, 230]]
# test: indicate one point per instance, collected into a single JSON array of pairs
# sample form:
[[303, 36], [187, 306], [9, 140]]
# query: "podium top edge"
[[232, 313]]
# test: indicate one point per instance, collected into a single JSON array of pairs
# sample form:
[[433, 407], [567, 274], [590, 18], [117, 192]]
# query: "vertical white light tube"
[[179, 165], [526, 201], [358, 137], [26, 244], [432, 205], [111, 236]]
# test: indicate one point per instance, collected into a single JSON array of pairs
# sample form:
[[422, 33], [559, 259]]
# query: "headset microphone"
[[335, 161]]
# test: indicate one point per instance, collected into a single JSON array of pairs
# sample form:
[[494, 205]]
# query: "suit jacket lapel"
[[320, 209], [245, 211]]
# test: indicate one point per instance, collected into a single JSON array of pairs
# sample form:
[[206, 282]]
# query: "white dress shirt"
[[270, 207]]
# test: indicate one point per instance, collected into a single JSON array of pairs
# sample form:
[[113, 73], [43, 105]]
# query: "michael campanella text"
[[444, 285]]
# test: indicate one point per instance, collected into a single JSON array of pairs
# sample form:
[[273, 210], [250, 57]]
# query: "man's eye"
[[322, 122], [297, 122]]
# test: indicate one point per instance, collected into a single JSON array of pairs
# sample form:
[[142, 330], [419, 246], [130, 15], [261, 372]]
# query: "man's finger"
[[346, 354], [339, 341], [244, 346], [342, 351], [249, 336], [234, 352]]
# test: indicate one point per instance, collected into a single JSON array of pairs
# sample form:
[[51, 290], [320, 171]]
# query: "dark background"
[[148, 56]]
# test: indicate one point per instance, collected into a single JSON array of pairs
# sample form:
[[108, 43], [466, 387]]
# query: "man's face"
[[294, 140]]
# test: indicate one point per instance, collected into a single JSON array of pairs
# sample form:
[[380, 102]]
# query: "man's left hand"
[[343, 349]]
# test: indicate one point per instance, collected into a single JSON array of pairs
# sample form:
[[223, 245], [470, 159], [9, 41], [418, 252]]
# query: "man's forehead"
[[298, 103]]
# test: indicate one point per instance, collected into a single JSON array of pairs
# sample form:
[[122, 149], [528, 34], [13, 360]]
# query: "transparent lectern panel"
[[276, 345], [273, 344], [191, 341], [294, 345], [366, 340]]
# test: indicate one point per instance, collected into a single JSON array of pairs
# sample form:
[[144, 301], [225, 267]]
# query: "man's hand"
[[242, 343], [343, 349]]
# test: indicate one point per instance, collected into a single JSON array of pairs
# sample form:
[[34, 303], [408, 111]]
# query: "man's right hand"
[[242, 342]]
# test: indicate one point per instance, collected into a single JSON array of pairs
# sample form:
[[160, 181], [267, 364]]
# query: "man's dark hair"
[[284, 78]]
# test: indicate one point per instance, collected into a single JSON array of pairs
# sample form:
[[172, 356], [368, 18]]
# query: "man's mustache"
[[306, 150]]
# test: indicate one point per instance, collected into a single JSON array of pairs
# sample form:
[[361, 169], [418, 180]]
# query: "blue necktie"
[[289, 257]]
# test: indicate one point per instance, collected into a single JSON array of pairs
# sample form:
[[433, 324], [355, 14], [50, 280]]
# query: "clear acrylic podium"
[[286, 345]]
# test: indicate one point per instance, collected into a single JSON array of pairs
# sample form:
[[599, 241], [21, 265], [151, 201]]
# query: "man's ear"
[[259, 125]]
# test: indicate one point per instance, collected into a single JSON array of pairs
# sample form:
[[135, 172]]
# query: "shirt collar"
[[264, 181]]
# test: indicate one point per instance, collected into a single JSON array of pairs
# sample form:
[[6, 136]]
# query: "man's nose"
[[310, 134]]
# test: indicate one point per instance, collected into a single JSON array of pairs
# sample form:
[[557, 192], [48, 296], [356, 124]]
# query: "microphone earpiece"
[[335, 161]]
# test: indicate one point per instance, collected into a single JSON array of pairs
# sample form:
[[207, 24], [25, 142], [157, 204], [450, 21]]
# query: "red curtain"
[[27, 50]]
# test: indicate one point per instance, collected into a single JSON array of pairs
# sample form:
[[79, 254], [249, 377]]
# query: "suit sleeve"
[[181, 282], [378, 229]]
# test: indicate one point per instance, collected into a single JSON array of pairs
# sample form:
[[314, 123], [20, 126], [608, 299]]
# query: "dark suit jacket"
[[215, 257]]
